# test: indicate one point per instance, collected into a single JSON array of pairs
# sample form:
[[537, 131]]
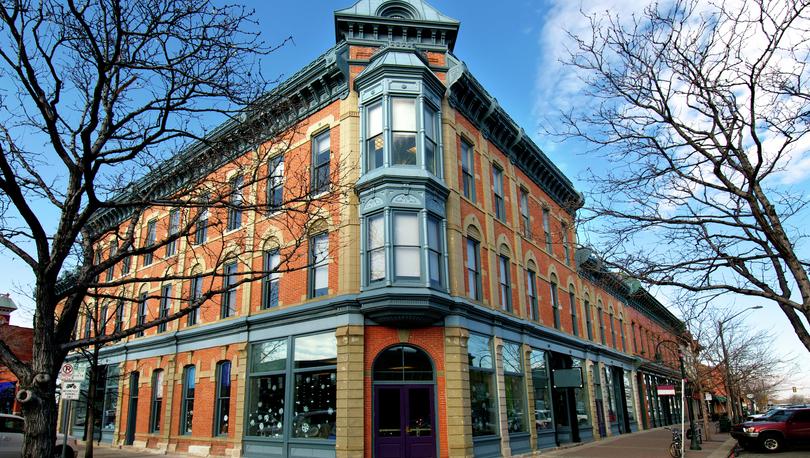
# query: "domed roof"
[[416, 10], [6, 304]]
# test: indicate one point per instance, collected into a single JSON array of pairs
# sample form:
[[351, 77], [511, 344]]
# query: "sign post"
[[71, 375]]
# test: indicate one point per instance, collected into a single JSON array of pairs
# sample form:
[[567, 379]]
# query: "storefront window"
[[483, 395], [515, 392], [315, 386], [628, 396], [581, 398], [110, 398], [611, 398], [310, 386], [266, 400], [542, 397]]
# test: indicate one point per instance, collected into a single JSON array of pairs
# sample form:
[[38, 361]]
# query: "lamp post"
[[729, 383], [693, 442]]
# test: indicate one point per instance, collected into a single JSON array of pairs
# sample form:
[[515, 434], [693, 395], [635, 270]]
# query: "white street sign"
[[70, 391], [73, 372], [708, 396]]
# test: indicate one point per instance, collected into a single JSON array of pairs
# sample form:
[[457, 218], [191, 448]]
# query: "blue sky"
[[512, 47]]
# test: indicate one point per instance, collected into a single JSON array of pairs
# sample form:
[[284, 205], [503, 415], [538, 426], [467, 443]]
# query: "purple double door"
[[404, 421]]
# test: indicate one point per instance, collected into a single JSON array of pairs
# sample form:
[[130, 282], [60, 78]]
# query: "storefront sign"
[[666, 390], [568, 378]]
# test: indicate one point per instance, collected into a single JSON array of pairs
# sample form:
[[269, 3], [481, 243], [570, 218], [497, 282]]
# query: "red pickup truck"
[[774, 431]]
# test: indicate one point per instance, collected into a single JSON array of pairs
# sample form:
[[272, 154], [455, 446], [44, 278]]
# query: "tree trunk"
[[90, 423], [40, 428]]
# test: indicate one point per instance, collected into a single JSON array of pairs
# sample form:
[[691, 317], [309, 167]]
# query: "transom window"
[[403, 363]]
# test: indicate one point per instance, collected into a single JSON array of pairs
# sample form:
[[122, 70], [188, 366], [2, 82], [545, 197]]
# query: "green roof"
[[422, 10], [7, 303]]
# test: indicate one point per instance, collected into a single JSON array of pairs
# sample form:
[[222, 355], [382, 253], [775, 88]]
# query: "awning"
[[721, 399]]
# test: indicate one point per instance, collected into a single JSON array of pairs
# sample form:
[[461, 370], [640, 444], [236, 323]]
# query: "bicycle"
[[675, 446]]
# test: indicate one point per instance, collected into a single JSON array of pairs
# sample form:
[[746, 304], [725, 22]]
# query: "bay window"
[[429, 120], [406, 245], [403, 114], [375, 140], [434, 239], [376, 247], [401, 130]]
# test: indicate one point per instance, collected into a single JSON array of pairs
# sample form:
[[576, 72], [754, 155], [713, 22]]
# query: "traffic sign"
[[70, 391], [73, 371]]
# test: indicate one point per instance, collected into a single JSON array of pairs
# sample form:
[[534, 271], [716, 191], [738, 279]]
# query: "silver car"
[[11, 439]]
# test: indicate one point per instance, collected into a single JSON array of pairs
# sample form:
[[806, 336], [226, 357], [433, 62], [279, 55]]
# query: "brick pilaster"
[[457, 376], [350, 393]]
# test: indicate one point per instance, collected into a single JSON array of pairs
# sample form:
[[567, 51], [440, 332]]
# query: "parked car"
[[11, 439], [773, 432]]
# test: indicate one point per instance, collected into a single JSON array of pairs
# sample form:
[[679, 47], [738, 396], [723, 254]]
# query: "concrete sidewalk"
[[653, 443]]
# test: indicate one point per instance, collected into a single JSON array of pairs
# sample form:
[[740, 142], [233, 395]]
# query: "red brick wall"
[[431, 340]]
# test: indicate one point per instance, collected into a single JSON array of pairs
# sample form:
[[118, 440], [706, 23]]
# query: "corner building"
[[457, 317]]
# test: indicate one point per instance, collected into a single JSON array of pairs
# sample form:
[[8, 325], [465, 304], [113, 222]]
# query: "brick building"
[[454, 315], [20, 340]]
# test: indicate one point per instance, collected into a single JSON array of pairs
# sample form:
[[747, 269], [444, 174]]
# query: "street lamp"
[[729, 383], [693, 442]]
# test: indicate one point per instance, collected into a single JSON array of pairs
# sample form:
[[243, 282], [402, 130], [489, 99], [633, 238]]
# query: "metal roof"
[[421, 9]]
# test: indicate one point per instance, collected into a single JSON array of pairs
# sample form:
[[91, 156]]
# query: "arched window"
[[531, 290], [572, 300], [222, 404], [403, 363], [588, 317], [555, 301], [505, 279], [612, 329], [600, 314]]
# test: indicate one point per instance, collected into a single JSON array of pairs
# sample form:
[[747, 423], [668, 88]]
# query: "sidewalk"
[[653, 443]]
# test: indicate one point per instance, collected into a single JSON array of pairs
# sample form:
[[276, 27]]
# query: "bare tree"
[[106, 163], [702, 109]]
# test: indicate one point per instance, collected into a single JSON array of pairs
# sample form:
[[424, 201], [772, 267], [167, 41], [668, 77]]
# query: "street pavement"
[[790, 452], [646, 444]]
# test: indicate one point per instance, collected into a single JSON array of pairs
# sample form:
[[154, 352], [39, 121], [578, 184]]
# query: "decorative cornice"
[[323, 81], [468, 96]]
